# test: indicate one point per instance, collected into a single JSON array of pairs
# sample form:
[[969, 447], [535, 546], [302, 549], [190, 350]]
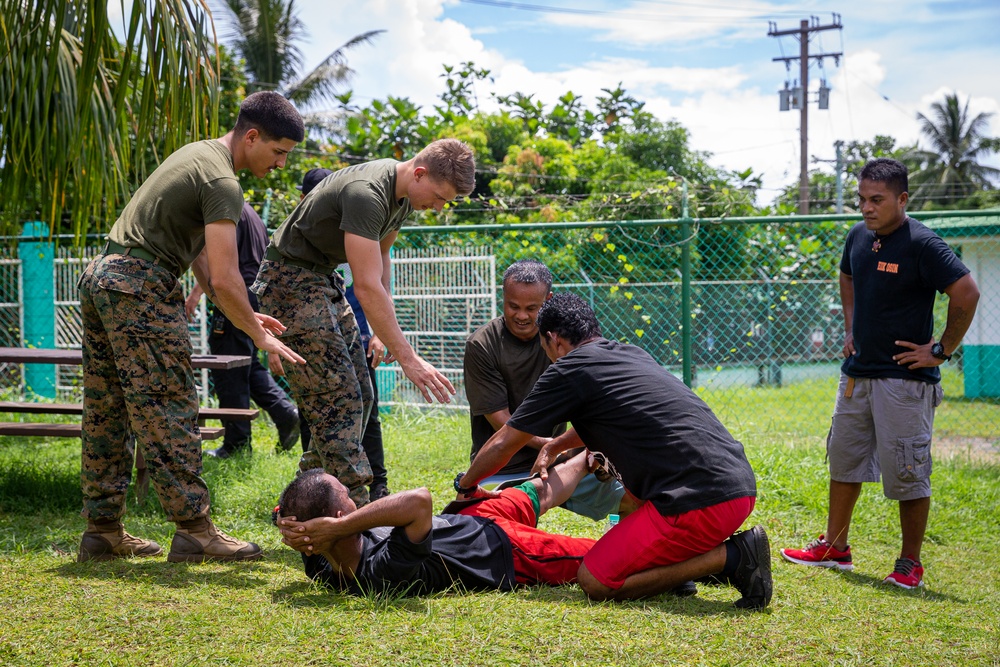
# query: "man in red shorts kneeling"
[[396, 544], [673, 454]]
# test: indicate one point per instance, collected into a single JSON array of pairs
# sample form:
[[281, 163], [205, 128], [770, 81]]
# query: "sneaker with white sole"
[[908, 573], [820, 553]]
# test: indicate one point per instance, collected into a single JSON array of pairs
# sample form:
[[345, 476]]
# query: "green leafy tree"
[[526, 109], [459, 98], [951, 169], [265, 33], [82, 115], [854, 156], [615, 107]]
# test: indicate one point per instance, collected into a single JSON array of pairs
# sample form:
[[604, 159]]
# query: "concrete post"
[[38, 304]]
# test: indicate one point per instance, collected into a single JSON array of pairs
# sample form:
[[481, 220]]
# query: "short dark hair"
[[309, 495], [528, 272], [569, 316], [272, 115], [313, 178], [451, 161], [886, 170]]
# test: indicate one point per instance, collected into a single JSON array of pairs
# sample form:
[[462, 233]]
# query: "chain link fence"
[[10, 312], [746, 311]]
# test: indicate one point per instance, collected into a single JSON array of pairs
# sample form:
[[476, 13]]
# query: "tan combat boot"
[[105, 540], [199, 540]]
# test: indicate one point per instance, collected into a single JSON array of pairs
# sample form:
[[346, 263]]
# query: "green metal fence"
[[746, 310]]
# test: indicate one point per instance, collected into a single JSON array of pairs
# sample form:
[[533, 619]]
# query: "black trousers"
[[371, 442], [236, 386]]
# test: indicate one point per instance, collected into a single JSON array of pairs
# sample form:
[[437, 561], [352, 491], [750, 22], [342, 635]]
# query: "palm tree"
[[83, 114], [264, 34], [950, 170]]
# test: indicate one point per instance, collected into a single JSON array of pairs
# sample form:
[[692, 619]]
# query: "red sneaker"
[[908, 573], [820, 553]]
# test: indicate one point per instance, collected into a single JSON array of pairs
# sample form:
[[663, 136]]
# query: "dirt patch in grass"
[[983, 450]]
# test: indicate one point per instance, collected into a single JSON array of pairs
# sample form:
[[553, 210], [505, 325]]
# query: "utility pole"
[[802, 33], [838, 146]]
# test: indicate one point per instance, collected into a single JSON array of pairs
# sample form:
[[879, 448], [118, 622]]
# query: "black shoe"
[[753, 574], [288, 432], [226, 451], [685, 590], [376, 491]]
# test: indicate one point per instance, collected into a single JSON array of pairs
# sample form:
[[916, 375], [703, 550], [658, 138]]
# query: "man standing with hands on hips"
[[890, 272]]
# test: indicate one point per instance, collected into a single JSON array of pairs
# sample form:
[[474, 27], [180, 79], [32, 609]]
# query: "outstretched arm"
[[495, 453], [370, 267], [217, 271]]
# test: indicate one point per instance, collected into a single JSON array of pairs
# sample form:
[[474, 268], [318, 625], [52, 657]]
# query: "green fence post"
[[38, 304], [686, 322]]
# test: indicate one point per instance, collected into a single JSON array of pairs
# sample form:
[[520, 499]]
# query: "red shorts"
[[646, 539], [539, 557]]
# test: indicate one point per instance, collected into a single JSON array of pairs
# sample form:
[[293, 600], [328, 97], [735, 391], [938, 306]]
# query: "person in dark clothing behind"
[[236, 386]]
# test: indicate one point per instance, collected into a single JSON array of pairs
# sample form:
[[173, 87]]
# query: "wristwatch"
[[937, 351], [461, 489]]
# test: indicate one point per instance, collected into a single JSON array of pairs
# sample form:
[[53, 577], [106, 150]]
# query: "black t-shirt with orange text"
[[894, 292]]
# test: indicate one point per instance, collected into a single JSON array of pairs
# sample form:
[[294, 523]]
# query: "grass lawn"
[[150, 612]]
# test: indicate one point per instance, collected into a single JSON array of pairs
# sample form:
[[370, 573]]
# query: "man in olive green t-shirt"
[[137, 372], [352, 216]]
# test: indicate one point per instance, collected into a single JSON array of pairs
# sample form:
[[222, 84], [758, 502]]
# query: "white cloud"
[[644, 24], [888, 73]]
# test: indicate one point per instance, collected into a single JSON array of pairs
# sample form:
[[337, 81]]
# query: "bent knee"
[[594, 589]]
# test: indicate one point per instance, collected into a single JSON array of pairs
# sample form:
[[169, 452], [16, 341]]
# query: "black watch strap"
[[937, 351], [461, 489]]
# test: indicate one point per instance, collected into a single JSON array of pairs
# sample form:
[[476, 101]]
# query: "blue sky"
[[707, 64]]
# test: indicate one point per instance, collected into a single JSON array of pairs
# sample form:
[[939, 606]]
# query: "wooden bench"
[[32, 429], [39, 430], [28, 407]]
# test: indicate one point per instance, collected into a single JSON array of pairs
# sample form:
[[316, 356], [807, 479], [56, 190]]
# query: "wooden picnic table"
[[74, 357]]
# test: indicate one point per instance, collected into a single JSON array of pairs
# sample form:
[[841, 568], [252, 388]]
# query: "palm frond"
[[84, 116], [323, 81]]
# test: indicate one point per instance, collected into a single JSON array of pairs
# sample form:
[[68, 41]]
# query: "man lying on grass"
[[396, 544]]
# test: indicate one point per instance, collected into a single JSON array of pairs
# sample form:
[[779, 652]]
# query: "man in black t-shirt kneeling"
[[664, 443], [396, 544]]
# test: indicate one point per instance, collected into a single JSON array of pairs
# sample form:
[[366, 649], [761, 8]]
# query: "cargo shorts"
[[882, 427]]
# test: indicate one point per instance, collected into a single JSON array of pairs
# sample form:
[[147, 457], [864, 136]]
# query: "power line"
[[629, 16]]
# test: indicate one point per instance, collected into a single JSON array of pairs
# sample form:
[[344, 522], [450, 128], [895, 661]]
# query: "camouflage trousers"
[[137, 379], [332, 389]]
